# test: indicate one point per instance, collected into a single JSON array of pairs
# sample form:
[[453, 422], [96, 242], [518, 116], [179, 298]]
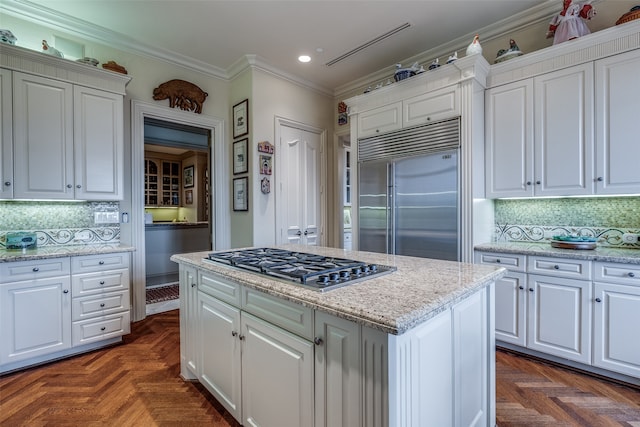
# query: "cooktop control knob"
[[323, 278], [373, 268], [344, 274], [356, 271], [334, 276], [365, 268]]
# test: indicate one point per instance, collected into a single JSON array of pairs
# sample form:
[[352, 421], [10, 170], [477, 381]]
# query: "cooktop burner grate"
[[316, 271]]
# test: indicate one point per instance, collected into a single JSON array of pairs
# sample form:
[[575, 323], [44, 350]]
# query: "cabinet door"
[[563, 147], [616, 320], [273, 359], [436, 105], [43, 138], [188, 322], [511, 308], [338, 384], [6, 135], [559, 320], [617, 105], [220, 352], [380, 120], [35, 318], [509, 140], [99, 144]]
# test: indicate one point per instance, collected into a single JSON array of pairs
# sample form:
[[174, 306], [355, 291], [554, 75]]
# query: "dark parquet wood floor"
[[138, 384]]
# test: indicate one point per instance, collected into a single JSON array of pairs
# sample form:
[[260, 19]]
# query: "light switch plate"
[[106, 217]]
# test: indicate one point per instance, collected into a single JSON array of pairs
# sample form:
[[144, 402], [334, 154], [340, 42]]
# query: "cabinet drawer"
[[99, 305], [436, 105], [90, 263], [380, 120], [32, 270], [96, 283], [100, 328], [626, 274], [219, 287], [560, 267], [512, 262], [288, 315]]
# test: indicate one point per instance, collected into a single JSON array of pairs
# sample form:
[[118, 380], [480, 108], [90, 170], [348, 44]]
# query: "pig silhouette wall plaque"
[[181, 94]]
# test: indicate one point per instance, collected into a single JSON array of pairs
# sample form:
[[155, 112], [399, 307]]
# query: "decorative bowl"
[[89, 61], [7, 37], [403, 73]]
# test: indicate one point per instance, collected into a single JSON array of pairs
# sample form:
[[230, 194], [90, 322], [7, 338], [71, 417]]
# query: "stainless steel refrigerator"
[[410, 205]]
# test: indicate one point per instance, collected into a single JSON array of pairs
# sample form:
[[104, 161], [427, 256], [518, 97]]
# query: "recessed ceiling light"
[[304, 58]]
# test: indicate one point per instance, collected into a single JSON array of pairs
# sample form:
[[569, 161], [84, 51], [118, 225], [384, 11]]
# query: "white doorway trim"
[[322, 133], [219, 185]]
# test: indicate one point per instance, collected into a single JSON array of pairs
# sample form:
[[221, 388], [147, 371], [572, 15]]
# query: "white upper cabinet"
[[509, 137], [617, 105], [6, 135], [43, 138], [380, 120], [539, 135], [563, 132]]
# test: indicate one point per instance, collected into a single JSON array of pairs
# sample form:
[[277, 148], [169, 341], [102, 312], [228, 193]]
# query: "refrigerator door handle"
[[390, 208]]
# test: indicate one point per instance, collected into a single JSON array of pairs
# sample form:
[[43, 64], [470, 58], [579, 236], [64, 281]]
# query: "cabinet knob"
[[78, 186], [521, 287], [498, 261], [556, 267], [317, 341], [69, 186], [234, 334], [193, 285], [101, 262], [538, 182], [66, 291], [102, 305], [7, 183], [35, 269], [598, 300], [241, 337], [599, 179], [102, 282], [103, 328], [528, 182], [530, 289], [631, 274], [377, 130]]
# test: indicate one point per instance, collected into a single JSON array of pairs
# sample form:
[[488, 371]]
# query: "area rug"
[[163, 293]]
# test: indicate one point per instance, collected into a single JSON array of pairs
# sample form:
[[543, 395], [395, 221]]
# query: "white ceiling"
[[216, 34]]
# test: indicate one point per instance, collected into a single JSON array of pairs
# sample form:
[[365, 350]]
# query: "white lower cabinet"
[[52, 308], [575, 310], [188, 322]]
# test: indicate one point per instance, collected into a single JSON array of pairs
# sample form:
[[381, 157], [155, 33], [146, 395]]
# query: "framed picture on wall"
[[187, 177], [240, 118], [240, 154], [240, 194]]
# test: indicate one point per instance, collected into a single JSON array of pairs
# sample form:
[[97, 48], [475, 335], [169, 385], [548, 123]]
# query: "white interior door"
[[299, 189]]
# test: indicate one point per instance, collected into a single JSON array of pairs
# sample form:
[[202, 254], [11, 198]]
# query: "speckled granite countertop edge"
[[601, 253], [10, 255], [392, 303]]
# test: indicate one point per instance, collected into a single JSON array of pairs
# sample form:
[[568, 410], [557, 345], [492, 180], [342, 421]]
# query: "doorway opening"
[[176, 204]]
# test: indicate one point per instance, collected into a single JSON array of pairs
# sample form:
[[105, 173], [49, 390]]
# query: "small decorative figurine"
[[452, 57], [114, 66], [181, 94], [570, 23], [474, 47], [434, 64], [634, 13], [51, 50], [7, 37], [512, 52], [404, 73]]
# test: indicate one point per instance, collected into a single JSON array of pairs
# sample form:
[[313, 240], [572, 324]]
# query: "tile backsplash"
[[533, 220], [59, 223]]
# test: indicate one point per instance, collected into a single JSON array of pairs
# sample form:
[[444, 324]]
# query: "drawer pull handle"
[[102, 282], [556, 267], [101, 262], [598, 300], [317, 341], [36, 269], [103, 328], [234, 334], [66, 291], [631, 274], [102, 305]]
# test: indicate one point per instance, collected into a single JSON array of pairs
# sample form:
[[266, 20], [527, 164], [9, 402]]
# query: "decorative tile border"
[[70, 236], [607, 236]]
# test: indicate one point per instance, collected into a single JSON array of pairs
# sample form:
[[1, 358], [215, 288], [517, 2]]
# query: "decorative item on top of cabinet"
[[50, 50], [570, 23], [453, 57], [512, 52], [634, 13], [474, 47], [182, 94], [7, 36], [114, 66], [343, 117]]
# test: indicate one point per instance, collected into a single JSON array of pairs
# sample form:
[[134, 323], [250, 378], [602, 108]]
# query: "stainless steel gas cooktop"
[[315, 271]]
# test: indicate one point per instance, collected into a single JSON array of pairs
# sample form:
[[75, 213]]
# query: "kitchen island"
[[413, 347]]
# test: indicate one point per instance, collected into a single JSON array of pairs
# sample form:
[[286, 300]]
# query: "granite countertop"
[[10, 255], [600, 253], [177, 224], [393, 303]]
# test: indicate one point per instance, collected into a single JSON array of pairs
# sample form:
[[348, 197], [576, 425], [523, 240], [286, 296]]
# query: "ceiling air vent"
[[369, 43]]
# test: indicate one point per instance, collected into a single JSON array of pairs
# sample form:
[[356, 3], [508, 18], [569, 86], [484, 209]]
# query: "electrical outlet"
[[630, 238]]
